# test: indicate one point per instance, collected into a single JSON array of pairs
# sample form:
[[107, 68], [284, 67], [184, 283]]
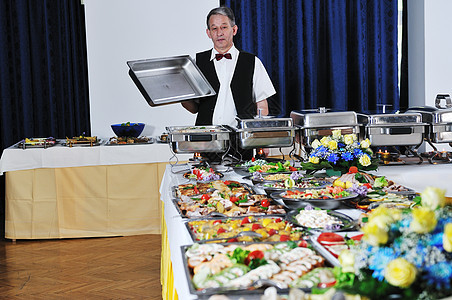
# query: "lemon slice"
[[289, 183]]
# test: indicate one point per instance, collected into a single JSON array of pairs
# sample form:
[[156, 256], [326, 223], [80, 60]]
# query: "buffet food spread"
[[298, 223], [233, 251]]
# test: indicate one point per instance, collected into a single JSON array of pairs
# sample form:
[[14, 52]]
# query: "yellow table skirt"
[[166, 267], [93, 201]]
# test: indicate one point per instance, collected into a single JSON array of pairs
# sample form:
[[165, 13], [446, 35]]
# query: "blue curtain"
[[43, 70], [337, 54]]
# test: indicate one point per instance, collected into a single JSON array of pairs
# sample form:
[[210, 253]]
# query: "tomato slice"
[[205, 197], [245, 221], [357, 237], [330, 237], [284, 238], [221, 230], [256, 226]]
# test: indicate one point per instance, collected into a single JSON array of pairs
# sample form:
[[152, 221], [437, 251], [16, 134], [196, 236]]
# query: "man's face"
[[221, 32]]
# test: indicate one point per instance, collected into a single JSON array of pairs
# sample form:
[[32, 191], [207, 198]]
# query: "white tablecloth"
[[58, 156]]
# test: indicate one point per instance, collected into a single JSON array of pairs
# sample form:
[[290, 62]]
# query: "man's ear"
[[208, 33], [235, 29]]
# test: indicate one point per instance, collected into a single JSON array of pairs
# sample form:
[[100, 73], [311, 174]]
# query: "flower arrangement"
[[407, 253], [340, 152]]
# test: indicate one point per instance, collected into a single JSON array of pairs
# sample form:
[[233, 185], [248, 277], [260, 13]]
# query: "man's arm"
[[191, 106], [263, 107]]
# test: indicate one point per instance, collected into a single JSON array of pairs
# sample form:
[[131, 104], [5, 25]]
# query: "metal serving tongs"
[[240, 234]]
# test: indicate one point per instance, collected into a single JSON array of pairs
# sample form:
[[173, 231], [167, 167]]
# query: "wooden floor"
[[90, 268]]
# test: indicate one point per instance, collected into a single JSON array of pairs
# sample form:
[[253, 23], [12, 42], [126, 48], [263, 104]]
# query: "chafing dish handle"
[[400, 130], [200, 138]]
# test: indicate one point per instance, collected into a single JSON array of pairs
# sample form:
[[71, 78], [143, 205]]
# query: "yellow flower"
[[349, 139], [424, 220], [336, 134], [447, 237], [364, 160], [315, 144], [332, 145], [347, 261], [375, 235], [399, 272], [389, 215], [325, 140], [313, 159], [433, 198], [365, 144]]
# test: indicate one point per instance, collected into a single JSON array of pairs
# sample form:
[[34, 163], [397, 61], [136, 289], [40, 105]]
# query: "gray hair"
[[224, 11]]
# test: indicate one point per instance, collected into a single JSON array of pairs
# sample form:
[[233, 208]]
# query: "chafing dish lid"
[[327, 119], [267, 123], [395, 119], [433, 115], [196, 129]]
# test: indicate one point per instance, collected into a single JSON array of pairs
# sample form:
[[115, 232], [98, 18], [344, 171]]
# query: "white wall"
[[429, 52], [118, 31]]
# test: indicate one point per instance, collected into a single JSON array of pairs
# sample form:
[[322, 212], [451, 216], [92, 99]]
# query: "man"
[[239, 78]]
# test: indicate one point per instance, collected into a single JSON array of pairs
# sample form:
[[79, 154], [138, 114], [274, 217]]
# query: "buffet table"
[[68, 192], [175, 235]]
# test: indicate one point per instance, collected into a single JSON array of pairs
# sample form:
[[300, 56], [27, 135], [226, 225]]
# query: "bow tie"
[[219, 56]]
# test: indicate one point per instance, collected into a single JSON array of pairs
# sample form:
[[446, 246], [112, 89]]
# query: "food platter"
[[330, 244], [119, 141], [246, 270], [243, 229], [389, 200], [37, 143], [330, 203], [263, 165], [203, 174], [82, 141], [320, 219], [214, 205], [274, 186]]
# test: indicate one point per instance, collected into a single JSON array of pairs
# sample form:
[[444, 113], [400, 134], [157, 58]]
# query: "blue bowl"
[[128, 129]]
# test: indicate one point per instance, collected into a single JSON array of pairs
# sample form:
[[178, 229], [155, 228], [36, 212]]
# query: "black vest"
[[241, 87]]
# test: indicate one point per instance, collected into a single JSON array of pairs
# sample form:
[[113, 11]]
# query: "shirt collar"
[[234, 52]]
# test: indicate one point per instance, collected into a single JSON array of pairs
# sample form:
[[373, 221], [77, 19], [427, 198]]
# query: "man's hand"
[[263, 107], [191, 106]]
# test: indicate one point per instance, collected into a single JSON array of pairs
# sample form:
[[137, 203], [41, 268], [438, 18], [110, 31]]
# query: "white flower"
[[365, 144], [433, 198], [336, 134], [315, 144], [349, 139]]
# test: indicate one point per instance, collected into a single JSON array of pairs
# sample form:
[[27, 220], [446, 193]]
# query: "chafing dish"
[[316, 125], [395, 129], [169, 79], [439, 123], [265, 133], [184, 139]]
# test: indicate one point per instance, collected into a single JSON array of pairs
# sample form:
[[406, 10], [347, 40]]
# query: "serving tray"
[[247, 281], [137, 141], [347, 222], [169, 79], [37, 143]]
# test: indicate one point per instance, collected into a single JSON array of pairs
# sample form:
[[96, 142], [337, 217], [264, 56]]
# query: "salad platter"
[[264, 166], [238, 269], [331, 244]]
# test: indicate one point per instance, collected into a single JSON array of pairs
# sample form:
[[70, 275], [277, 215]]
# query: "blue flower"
[[347, 156], [333, 157], [439, 275], [340, 145], [357, 152], [379, 260]]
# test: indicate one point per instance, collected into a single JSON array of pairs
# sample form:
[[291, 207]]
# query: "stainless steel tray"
[[264, 123], [265, 137], [192, 139], [255, 289], [395, 129], [169, 79]]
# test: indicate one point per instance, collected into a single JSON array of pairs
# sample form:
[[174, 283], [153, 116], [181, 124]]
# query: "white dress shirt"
[[225, 111]]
